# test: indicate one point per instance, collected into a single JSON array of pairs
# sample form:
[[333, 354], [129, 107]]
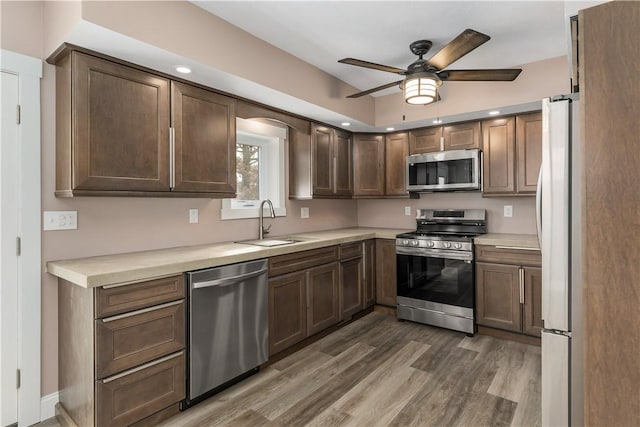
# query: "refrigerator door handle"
[[539, 208]]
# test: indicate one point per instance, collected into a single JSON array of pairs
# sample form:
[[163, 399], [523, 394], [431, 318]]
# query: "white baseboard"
[[48, 405]]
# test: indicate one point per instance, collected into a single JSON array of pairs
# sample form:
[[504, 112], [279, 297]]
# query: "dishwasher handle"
[[226, 281]]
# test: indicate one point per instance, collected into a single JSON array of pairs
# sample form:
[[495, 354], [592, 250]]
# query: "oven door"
[[436, 275]]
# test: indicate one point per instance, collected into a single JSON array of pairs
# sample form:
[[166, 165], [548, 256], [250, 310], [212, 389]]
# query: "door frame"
[[28, 311]]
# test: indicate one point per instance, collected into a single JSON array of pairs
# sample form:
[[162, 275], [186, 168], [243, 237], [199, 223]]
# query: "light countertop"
[[511, 240], [135, 266]]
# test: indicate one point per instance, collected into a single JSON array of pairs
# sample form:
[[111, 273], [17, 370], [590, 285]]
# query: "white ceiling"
[[322, 32]]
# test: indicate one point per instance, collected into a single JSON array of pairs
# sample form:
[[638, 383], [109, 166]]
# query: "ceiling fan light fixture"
[[421, 88]]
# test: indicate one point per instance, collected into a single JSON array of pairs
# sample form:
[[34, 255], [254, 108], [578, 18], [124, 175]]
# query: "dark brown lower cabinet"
[[498, 296], [386, 292], [350, 287], [305, 300], [122, 351], [509, 297], [322, 297], [141, 392], [369, 273], [287, 310]]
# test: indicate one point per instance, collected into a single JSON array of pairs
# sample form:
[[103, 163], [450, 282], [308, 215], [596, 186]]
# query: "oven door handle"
[[435, 253]]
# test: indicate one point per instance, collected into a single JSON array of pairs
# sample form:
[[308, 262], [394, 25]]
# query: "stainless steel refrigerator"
[[559, 212]]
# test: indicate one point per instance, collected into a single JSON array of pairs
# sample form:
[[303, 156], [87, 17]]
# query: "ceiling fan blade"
[[367, 64], [375, 89], [495, 75], [464, 43]]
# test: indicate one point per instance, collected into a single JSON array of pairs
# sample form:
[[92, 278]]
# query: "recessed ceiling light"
[[182, 69], [391, 128], [346, 124], [437, 121], [494, 113]]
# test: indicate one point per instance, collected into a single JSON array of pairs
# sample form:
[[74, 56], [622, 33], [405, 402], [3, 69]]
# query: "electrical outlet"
[[304, 212], [407, 210], [60, 220], [508, 211], [193, 216]]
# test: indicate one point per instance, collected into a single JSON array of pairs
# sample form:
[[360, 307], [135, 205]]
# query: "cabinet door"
[[343, 149], [350, 287], [287, 311], [529, 147], [532, 314], [498, 296], [425, 140], [120, 119], [322, 160], [462, 136], [396, 169], [322, 297], [205, 140], [369, 273], [368, 165], [498, 142], [386, 292]]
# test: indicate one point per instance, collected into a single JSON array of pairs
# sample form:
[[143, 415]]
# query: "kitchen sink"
[[275, 241]]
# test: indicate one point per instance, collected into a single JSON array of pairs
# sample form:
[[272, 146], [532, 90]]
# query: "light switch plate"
[[407, 210], [193, 216], [304, 212], [508, 211], [60, 220]]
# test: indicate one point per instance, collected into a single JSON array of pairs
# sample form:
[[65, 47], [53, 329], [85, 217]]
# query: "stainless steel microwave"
[[457, 170]]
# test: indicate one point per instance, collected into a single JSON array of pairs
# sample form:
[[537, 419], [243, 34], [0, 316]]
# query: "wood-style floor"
[[381, 372]]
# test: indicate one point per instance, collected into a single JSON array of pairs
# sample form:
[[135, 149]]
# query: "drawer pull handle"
[[521, 248], [141, 367], [144, 310]]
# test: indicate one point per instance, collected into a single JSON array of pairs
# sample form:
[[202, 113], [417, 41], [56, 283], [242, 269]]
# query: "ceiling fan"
[[424, 76]]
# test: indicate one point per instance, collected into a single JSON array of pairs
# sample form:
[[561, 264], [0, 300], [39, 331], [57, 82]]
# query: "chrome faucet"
[[261, 230]]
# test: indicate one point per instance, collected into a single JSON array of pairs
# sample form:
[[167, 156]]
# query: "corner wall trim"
[[48, 405]]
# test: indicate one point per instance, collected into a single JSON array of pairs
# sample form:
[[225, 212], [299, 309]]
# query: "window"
[[259, 169]]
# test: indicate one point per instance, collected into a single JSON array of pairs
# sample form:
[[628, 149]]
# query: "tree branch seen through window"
[[248, 171]]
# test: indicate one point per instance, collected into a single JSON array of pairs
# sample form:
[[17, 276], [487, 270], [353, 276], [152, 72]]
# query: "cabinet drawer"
[[513, 256], [289, 263], [130, 339], [133, 395], [351, 250], [118, 299]]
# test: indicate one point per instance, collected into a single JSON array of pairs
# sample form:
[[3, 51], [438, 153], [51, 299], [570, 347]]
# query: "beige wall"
[[390, 213], [21, 28], [109, 225]]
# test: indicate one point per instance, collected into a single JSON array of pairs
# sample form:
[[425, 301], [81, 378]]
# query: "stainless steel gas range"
[[435, 276]]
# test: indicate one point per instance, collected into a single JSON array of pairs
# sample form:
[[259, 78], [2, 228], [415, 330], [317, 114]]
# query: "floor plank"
[[378, 371]]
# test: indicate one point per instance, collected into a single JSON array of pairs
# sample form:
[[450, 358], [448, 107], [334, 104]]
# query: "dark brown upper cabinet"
[[114, 132], [368, 165], [331, 162], [395, 167], [380, 165], [512, 149], [204, 124], [459, 136], [112, 128]]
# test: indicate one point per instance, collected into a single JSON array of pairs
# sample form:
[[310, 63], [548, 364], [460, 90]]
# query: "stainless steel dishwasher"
[[228, 326]]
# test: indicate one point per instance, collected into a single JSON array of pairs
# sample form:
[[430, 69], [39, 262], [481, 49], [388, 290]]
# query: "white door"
[[9, 263], [20, 274]]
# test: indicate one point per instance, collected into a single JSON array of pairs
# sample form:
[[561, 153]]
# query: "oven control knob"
[[405, 242], [430, 244], [415, 243], [457, 245], [447, 245]]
